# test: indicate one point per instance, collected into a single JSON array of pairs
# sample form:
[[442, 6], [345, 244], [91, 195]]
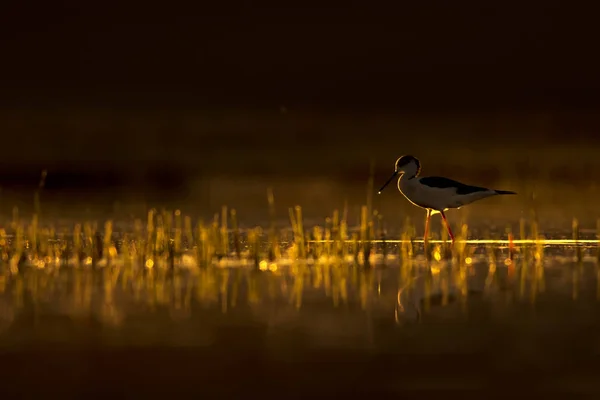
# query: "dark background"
[[163, 99], [427, 55]]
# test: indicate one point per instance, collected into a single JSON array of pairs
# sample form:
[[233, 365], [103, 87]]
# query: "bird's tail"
[[504, 192]]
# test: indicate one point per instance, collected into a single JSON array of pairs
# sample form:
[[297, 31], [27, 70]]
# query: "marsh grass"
[[167, 262]]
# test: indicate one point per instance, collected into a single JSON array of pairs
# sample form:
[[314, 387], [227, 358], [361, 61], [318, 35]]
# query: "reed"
[[171, 261]]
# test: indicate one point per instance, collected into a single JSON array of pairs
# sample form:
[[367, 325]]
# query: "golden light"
[[272, 267], [437, 255], [263, 265], [468, 260], [112, 251], [508, 262], [149, 263]]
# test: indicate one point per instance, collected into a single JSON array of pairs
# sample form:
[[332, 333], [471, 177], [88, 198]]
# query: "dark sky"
[[72, 71], [246, 53]]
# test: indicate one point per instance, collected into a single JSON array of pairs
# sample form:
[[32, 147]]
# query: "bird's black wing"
[[443, 183]]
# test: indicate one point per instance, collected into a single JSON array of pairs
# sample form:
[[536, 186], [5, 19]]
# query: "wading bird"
[[433, 193]]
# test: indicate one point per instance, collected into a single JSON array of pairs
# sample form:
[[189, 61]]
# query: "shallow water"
[[333, 303], [511, 310]]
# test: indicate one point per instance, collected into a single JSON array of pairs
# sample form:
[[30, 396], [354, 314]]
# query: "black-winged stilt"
[[433, 193]]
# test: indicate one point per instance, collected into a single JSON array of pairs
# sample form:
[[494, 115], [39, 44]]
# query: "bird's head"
[[408, 165]]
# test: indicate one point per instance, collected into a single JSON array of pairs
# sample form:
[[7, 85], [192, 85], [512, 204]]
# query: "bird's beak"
[[388, 181]]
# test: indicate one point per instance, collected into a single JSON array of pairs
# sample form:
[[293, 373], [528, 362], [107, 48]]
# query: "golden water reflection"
[[405, 291]]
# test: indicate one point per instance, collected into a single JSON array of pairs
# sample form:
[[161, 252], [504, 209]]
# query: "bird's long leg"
[[447, 226], [426, 235]]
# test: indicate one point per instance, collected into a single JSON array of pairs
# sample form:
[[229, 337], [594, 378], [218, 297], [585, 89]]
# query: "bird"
[[433, 193]]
